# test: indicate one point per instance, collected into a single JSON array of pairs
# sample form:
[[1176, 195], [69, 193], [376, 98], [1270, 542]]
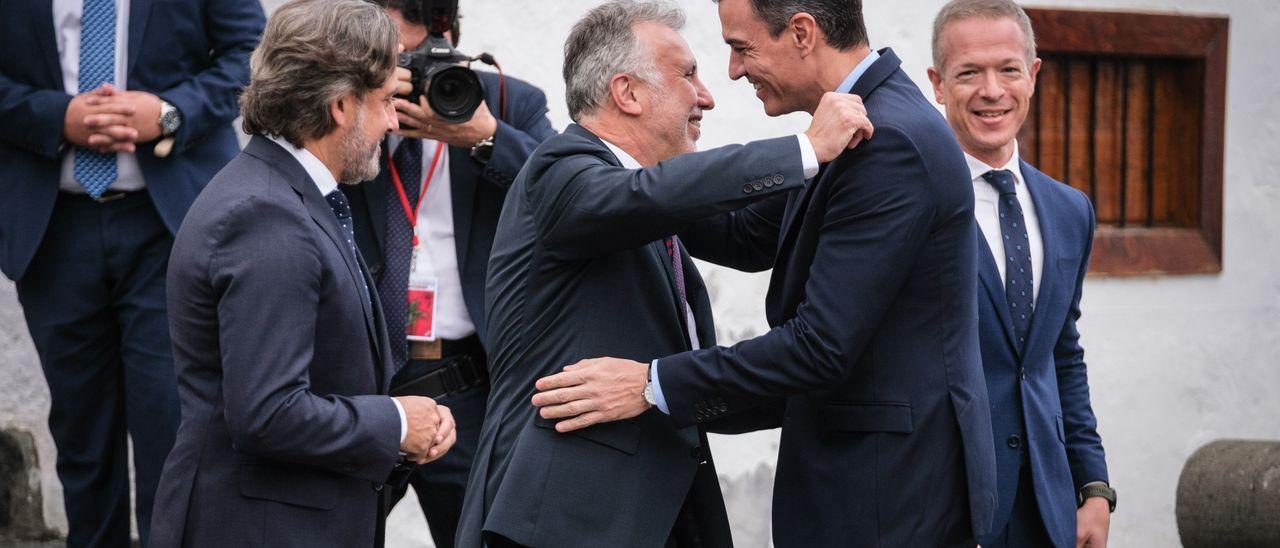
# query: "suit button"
[[1022, 373], [723, 407], [747, 188], [758, 185], [777, 178], [1014, 441]]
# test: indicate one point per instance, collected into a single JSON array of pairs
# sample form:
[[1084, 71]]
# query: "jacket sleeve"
[[585, 207], [1084, 446], [267, 275], [745, 239], [878, 217], [513, 142], [209, 99], [33, 117]]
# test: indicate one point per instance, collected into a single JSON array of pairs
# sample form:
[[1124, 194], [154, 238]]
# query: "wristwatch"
[[648, 388], [170, 119], [1101, 490], [483, 150]]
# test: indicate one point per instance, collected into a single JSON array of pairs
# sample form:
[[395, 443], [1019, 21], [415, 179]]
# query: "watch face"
[[482, 152]]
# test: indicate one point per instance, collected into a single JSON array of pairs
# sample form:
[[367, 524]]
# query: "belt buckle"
[[426, 350], [110, 197]]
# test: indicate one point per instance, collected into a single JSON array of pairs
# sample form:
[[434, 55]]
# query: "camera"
[[439, 71]]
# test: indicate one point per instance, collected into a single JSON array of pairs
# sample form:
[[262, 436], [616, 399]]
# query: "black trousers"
[[94, 300], [440, 485]]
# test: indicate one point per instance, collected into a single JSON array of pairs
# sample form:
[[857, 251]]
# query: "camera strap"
[[411, 211]]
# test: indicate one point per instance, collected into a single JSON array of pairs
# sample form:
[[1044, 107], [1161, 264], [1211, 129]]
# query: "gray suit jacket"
[[280, 360], [578, 270]]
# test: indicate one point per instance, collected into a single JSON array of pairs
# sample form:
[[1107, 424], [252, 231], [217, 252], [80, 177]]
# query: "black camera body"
[[440, 72]]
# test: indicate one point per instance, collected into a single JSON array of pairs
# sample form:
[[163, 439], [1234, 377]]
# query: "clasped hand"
[[109, 120], [431, 430]]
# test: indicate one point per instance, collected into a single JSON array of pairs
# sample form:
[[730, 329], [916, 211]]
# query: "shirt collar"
[[847, 85], [320, 175], [627, 160], [978, 168]]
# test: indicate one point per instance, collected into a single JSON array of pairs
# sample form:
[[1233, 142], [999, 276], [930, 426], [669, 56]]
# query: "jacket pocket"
[[307, 488], [1062, 433], [621, 435], [868, 416]]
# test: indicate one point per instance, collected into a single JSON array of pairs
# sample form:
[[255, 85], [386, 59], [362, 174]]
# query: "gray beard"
[[359, 157]]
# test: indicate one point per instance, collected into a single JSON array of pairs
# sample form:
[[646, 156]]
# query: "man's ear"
[[935, 78], [626, 91], [803, 33], [342, 109]]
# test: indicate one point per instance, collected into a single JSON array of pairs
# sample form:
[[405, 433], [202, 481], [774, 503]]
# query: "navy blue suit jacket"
[[886, 439], [1046, 387], [478, 190], [282, 369], [192, 53]]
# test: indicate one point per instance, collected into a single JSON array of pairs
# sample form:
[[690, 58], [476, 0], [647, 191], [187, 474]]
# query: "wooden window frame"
[[1131, 251]]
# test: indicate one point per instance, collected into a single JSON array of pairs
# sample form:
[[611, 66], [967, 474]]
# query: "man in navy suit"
[[455, 196], [115, 113], [288, 436], [1033, 254], [886, 432]]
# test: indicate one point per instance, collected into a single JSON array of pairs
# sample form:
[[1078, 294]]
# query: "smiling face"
[[676, 102], [986, 84], [360, 145], [771, 64]]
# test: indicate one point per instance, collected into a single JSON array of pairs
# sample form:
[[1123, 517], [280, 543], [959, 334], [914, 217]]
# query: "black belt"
[[108, 196], [460, 368]]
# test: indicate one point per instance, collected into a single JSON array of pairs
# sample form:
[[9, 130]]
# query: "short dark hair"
[[411, 10], [840, 20]]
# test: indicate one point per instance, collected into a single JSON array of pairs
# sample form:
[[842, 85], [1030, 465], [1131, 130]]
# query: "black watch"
[[483, 150], [1101, 490]]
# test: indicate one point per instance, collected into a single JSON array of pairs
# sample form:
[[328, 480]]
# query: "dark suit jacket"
[[886, 439], [1045, 388], [280, 360], [478, 190], [192, 53], [578, 271]]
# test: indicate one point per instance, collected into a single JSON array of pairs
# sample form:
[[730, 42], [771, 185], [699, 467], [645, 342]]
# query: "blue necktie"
[[342, 210], [1018, 288], [395, 275], [94, 171]]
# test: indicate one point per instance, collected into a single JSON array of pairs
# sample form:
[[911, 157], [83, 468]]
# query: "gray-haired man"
[[283, 364], [584, 264]]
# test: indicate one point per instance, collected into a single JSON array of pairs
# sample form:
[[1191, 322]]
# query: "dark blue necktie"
[[342, 210], [1017, 252], [395, 275], [94, 171]]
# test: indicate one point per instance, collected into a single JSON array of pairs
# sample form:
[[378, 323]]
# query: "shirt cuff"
[[657, 388], [807, 156], [404, 421]]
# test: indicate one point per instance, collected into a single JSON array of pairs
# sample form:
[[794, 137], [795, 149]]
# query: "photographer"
[[425, 226]]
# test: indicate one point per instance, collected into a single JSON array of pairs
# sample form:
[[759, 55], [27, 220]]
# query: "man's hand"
[[101, 126], [446, 434], [419, 122], [593, 391], [424, 423], [839, 123], [1093, 521], [145, 120]]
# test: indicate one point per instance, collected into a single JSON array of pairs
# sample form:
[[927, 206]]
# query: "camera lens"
[[454, 93]]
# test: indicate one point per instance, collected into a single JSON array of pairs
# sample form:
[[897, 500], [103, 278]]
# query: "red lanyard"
[[411, 212]]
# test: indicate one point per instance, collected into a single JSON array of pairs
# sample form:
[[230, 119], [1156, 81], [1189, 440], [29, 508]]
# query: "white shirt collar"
[[854, 75], [320, 175], [978, 168], [627, 160]]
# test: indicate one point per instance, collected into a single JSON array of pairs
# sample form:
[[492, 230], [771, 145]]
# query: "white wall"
[[1175, 361]]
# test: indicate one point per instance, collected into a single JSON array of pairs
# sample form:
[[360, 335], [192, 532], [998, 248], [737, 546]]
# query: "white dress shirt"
[[437, 254], [326, 183], [987, 212], [66, 24]]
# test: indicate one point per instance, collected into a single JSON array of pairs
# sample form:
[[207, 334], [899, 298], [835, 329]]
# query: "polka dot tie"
[[342, 209], [1018, 288], [94, 171], [395, 273]]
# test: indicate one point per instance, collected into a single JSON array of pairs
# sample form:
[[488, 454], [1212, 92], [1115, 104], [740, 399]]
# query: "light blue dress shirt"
[[844, 87]]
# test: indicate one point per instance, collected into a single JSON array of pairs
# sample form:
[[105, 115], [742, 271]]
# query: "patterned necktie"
[[342, 210], [94, 171], [1017, 251], [395, 275], [677, 267]]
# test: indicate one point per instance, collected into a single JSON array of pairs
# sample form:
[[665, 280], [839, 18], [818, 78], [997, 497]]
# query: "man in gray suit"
[[584, 264], [287, 436]]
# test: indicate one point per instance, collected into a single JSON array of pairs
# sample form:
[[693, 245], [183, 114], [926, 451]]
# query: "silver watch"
[[170, 118], [648, 389]]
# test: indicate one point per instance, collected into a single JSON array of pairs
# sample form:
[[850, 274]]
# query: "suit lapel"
[[464, 199], [990, 277], [139, 13], [1046, 210]]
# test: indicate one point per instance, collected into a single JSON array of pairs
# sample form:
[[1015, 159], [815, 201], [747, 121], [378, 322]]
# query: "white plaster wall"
[[1175, 361]]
